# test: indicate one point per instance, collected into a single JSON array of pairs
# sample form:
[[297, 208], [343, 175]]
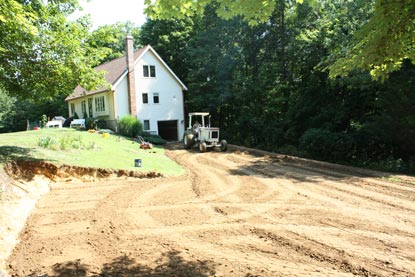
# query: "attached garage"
[[168, 129]]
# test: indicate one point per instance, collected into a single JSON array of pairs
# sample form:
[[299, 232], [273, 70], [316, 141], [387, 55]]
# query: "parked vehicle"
[[201, 135]]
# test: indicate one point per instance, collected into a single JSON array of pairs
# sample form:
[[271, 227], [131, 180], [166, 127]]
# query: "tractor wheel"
[[223, 145], [202, 147], [187, 140]]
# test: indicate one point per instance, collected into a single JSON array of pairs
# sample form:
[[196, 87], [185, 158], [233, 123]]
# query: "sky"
[[112, 11]]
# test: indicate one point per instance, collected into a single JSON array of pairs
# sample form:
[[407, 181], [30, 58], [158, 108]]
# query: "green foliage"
[[95, 123], [154, 139], [48, 142], [265, 85], [43, 120], [110, 39], [261, 74], [329, 146], [252, 11], [383, 43], [129, 126], [95, 152], [7, 111], [65, 143], [380, 46], [170, 39], [43, 55], [14, 112]]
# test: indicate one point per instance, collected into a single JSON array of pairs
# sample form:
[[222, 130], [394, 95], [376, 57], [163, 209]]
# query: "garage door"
[[168, 129]]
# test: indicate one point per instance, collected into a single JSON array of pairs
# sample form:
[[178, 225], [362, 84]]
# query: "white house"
[[142, 85]]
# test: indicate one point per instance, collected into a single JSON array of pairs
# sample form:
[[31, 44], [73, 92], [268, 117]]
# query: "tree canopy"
[[110, 40], [380, 46], [42, 54], [266, 84], [261, 68], [384, 43]]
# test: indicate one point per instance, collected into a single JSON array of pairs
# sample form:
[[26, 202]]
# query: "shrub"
[[43, 121], [129, 126], [101, 124], [64, 143], [90, 123], [108, 131], [154, 139], [48, 142], [95, 123], [68, 121], [329, 146]]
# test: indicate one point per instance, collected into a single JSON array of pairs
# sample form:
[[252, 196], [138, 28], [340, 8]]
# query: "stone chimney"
[[132, 105]]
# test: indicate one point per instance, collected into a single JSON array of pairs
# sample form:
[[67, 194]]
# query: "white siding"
[[121, 93], [170, 106], [78, 108], [109, 105]]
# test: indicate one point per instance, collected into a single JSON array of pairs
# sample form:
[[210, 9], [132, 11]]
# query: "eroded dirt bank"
[[233, 214], [27, 170]]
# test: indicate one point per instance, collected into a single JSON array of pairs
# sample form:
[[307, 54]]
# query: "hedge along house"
[[142, 85]]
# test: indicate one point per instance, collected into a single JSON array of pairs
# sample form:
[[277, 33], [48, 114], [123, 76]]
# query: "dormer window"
[[149, 71]]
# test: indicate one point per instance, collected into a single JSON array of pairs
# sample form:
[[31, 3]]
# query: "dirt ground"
[[233, 214]]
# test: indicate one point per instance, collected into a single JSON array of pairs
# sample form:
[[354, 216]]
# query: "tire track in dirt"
[[383, 226], [322, 191], [318, 252], [350, 269], [302, 175], [398, 189], [391, 196], [232, 171], [240, 214]]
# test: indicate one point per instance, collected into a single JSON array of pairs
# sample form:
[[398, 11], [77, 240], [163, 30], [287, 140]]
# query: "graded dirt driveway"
[[232, 214]]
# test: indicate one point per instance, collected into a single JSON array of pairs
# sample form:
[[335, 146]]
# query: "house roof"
[[114, 70], [117, 68]]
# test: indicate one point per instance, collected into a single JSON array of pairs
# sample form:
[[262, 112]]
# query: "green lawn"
[[85, 149]]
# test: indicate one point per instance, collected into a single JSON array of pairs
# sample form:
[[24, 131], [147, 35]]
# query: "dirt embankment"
[[239, 213], [27, 170], [23, 183]]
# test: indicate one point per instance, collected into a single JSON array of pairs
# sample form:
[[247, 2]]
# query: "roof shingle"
[[114, 70]]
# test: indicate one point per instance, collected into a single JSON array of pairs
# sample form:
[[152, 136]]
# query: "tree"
[[384, 43], [253, 11], [42, 54], [110, 39], [380, 46], [6, 110], [170, 39]]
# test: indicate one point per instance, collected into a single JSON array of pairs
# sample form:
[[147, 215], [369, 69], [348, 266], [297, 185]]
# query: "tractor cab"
[[200, 134]]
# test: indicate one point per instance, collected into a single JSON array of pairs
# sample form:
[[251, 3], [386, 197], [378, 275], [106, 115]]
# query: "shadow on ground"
[[170, 264], [9, 153], [301, 170]]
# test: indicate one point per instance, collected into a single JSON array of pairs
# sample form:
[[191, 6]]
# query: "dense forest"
[[268, 84]]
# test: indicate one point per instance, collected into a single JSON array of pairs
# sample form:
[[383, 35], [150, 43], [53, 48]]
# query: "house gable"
[[149, 49], [158, 96]]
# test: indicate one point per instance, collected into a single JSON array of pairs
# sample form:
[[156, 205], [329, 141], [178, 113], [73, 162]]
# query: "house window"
[[99, 104], [156, 99], [145, 98], [72, 109], [152, 71], [90, 107], [149, 70], [146, 125], [83, 107]]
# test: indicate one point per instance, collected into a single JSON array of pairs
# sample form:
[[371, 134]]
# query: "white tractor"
[[199, 134]]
